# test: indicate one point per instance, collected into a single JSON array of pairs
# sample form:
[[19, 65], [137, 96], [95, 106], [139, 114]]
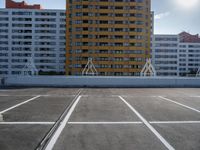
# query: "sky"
[[171, 16]]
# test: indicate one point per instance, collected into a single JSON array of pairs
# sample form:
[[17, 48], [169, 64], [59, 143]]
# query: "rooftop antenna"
[[89, 69], [148, 69], [198, 73], [29, 68]]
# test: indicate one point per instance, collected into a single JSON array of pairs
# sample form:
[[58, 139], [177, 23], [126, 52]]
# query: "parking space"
[[157, 109], [23, 91], [62, 92], [107, 137], [114, 119], [9, 101], [98, 91], [102, 109], [191, 101], [151, 92], [181, 136], [39, 91], [41, 109], [21, 137]]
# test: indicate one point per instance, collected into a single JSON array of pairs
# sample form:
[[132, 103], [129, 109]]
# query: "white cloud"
[[162, 15]]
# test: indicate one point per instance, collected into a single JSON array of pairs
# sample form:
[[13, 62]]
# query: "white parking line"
[[174, 122], [18, 95], [103, 123], [136, 96], [12, 90], [19, 104], [62, 126], [166, 99], [4, 90], [40, 95], [167, 145], [26, 123], [99, 95], [196, 96], [134, 122], [58, 95]]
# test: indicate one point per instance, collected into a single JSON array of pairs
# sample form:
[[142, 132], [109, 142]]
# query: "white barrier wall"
[[98, 81]]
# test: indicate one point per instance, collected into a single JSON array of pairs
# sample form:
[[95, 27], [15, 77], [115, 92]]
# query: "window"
[[21, 13]]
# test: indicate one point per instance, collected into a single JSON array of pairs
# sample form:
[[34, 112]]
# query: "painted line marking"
[[5, 90], [20, 104], [117, 96], [153, 130], [174, 122], [18, 95], [24, 123], [99, 95], [12, 90], [40, 95], [195, 96], [58, 95], [135, 122], [136, 96], [166, 99], [96, 123], [62, 126]]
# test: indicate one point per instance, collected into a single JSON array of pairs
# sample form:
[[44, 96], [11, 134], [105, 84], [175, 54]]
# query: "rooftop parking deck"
[[100, 118]]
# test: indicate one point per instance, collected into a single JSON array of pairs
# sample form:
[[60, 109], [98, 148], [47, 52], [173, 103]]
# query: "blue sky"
[[171, 17]]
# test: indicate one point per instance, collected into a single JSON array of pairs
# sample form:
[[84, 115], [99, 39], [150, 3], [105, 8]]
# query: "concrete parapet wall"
[[1, 81], [99, 81]]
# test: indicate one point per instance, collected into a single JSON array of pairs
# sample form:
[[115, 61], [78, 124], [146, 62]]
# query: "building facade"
[[37, 34], [114, 33], [176, 55]]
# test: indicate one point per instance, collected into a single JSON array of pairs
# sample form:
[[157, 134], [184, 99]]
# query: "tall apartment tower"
[[114, 33]]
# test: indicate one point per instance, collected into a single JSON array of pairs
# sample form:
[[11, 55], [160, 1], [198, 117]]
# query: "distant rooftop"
[[189, 38], [21, 5]]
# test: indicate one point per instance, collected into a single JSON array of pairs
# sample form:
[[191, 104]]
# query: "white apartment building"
[[189, 59], [175, 55], [32, 33]]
